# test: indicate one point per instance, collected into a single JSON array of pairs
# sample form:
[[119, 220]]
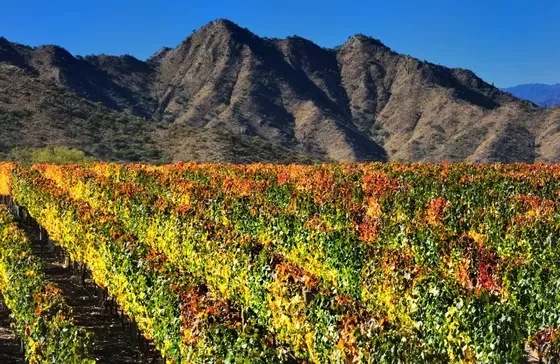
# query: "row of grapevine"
[[367, 262], [300, 311], [171, 309], [424, 236], [42, 319]]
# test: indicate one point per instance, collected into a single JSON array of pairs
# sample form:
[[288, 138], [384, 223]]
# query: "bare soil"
[[115, 339], [10, 350]]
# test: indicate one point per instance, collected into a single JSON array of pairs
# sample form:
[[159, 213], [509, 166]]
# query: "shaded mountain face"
[[227, 95], [543, 95]]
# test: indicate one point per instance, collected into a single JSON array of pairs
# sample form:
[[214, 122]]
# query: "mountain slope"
[[35, 112], [543, 95], [225, 94]]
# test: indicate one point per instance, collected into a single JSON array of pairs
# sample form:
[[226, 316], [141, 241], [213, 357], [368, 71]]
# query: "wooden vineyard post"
[[123, 319], [67, 261], [134, 331], [83, 274], [242, 319], [50, 245]]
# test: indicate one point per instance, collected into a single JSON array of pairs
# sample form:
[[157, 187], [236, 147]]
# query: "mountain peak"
[[368, 40], [224, 22], [221, 28], [54, 52], [223, 25], [12, 53]]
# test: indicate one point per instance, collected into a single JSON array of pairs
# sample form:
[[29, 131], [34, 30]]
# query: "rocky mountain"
[[224, 94], [540, 94]]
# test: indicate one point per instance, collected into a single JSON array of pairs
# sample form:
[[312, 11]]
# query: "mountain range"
[[540, 94], [227, 95]]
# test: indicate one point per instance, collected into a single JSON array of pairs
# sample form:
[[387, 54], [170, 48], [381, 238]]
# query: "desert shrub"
[[50, 155]]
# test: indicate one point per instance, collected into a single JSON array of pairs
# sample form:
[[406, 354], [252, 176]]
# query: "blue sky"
[[505, 42]]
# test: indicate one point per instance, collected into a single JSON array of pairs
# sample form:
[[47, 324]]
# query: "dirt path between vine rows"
[[10, 351], [112, 338]]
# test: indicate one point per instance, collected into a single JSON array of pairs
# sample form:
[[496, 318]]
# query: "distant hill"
[[540, 94], [227, 95]]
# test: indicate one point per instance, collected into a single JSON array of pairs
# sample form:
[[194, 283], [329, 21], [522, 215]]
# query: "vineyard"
[[264, 263]]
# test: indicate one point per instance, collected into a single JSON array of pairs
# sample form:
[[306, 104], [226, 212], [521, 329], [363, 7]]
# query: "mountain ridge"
[[538, 93], [225, 94]]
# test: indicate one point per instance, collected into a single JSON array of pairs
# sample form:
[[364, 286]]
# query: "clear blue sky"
[[505, 42]]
